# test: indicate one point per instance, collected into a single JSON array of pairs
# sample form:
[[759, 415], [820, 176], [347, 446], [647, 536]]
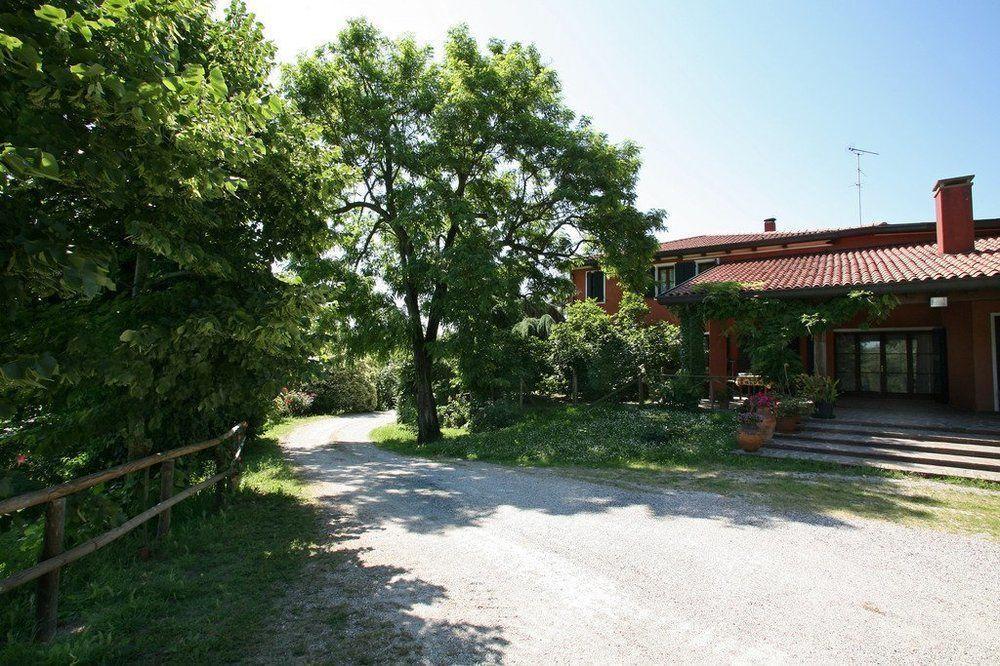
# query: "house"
[[942, 342]]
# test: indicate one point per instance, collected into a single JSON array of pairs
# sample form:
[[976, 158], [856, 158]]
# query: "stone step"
[[900, 432], [901, 466], [886, 424], [884, 453], [888, 441]]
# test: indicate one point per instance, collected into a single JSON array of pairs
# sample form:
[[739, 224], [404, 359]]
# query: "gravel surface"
[[472, 562]]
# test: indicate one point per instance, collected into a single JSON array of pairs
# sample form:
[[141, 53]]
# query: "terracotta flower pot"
[[750, 440], [767, 426], [788, 424]]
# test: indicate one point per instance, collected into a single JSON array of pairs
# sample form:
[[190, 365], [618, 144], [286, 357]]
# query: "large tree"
[[475, 185], [150, 180]]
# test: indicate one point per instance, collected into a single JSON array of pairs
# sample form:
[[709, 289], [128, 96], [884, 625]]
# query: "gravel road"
[[481, 563]]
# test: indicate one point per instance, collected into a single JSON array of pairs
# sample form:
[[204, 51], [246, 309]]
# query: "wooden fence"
[[53, 557]]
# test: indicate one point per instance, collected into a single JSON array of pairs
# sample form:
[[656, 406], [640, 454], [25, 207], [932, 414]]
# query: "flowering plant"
[[749, 420], [761, 402]]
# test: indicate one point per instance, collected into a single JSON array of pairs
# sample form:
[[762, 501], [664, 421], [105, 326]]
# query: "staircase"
[[932, 450]]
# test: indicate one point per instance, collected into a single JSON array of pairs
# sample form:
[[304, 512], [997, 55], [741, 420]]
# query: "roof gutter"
[[904, 228], [957, 284]]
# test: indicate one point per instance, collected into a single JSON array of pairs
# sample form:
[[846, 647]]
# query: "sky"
[[745, 110]]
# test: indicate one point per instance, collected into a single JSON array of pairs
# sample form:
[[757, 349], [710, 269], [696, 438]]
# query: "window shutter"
[[684, 271]]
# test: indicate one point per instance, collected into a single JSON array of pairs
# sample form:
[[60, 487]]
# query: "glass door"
[[891, 363]]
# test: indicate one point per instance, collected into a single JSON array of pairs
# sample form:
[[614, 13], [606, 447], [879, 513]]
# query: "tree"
[[475, 185], [149, 181]]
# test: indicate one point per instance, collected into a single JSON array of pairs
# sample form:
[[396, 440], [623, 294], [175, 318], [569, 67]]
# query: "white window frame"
[[673, 275], [604, 285], [698, 270]]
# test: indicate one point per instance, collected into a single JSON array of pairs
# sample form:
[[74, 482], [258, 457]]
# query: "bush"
[[678, 390], [342, 390], [293, 403], [608, 352], [456, 412], [493, 415], [386, 378]]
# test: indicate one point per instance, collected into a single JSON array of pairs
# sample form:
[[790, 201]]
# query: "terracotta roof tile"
[[722, 240], [848, 268]]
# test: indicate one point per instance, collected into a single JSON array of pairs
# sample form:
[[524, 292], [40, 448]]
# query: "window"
[[595, 285], [661, 279], [703, 266]]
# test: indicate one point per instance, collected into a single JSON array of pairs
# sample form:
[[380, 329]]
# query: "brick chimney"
[[769, 224], [956, 232]]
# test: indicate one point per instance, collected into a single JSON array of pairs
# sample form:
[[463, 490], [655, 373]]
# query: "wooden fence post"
[[166, 492], [47, 596], [220, 488]]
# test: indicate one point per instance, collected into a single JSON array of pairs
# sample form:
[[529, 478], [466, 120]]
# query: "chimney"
[[956, 232], [769, 224]]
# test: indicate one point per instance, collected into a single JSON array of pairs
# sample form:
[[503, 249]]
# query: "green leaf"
[[53, 15], [9, 42], [217, 83], [128, 335]]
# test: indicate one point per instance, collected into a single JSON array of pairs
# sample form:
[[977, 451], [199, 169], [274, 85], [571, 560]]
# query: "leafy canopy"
[[474, 190], [149, 180]]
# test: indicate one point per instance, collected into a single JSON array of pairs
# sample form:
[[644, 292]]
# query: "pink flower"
[[21, 459]]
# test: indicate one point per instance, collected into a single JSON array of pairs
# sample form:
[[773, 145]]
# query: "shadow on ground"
[[431, 495], [342, 610]]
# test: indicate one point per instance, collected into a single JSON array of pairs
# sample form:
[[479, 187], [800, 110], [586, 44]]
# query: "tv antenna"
[[858, 152]]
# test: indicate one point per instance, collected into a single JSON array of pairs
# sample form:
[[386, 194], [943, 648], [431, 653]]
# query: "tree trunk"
[[428, 426]]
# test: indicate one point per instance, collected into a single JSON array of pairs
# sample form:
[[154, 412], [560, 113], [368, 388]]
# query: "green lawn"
[[206, 595], [642, 448]]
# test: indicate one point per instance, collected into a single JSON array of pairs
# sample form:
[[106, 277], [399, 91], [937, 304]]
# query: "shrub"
[[455, 413], [386, 378], [493, 415], [344, 389], [293, 403], [678, 390], [608, 352]]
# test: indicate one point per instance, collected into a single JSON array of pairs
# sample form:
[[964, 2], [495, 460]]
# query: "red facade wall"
[[966, 320], [613, 298]]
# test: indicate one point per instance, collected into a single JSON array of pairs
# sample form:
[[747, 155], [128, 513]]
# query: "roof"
[[726, 240], [698, 244], [840, 270]]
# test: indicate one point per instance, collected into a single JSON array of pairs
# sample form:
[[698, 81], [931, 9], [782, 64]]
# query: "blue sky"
[[745, 110]]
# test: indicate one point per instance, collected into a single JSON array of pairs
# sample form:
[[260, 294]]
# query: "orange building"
[[941, 342]]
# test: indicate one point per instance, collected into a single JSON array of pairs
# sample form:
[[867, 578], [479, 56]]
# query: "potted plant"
[[789, 412], [822, 391], [763, 403], [751, 433]]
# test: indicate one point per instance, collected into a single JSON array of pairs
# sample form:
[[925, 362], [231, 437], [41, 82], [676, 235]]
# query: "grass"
[[640, 448], [206, 594]]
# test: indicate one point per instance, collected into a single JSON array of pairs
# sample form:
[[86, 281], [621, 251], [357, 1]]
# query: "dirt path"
[[462, 562]]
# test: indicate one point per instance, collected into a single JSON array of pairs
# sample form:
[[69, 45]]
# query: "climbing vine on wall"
[[692, 324], [766, 325]]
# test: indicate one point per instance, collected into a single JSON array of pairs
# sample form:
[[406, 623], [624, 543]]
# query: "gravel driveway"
[[474, 562]]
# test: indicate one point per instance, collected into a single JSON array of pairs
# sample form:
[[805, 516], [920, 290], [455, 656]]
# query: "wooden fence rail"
[[53, 557]]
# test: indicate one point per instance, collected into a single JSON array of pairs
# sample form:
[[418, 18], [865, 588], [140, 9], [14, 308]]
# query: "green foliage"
[[344, 389], [566, 435], [472, 180], [386, 378], [150, 181], [293, 403], [692, 332], [678, 390], [608, 352], [817, 388], [766, 325], [123, 609]]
